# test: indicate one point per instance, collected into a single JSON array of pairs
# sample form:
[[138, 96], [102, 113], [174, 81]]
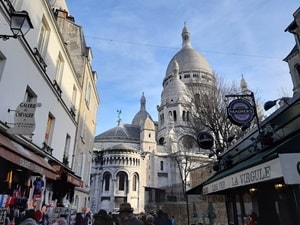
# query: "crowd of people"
[[126, 217]]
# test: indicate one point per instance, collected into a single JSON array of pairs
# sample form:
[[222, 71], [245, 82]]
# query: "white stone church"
[[135, 162]]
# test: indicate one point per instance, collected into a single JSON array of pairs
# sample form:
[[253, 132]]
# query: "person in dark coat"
[[29, 218], [126, 215], [102, 218]]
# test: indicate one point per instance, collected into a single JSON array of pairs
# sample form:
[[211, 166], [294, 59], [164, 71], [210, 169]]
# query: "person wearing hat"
[[126, 215]]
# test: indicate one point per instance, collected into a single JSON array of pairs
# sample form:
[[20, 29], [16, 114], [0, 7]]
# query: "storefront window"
[[247, 204], [239, 209]]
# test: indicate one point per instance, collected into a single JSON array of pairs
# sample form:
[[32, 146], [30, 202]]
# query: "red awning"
[[16, 153]]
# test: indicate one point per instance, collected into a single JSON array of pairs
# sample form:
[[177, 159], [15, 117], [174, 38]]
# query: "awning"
[[16, 153], [282, 161], [67, 176], [74, 180]]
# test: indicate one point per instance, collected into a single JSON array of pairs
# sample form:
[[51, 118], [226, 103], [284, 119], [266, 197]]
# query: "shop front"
[[24, 177], [261, 173]]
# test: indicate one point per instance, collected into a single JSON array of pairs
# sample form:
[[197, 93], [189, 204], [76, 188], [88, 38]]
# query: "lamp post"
[[20, 24]]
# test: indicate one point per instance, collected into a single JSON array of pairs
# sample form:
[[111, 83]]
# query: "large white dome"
[[187, 58]]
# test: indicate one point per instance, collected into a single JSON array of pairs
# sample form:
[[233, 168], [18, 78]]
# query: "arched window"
[[122, 181], [135, 182], [174, 115], [106, 181], [161, 165], [298, 70], [188, 142], [161, 141]]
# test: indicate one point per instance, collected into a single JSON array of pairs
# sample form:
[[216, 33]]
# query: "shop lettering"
[[219, 186], [29, 115], [28, 105], [256, 175], [252, 176]]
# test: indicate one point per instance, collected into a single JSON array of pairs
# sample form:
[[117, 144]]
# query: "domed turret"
[[141, 116], [175, 86]]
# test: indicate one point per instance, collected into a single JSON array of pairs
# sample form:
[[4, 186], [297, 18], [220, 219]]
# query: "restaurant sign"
[[24, 122], [260, 173], [240, 112]]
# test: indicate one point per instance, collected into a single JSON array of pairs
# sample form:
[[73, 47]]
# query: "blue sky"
[[134, 40]]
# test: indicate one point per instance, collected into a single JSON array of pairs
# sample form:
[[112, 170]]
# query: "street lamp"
[[269, 104], [20, 24]]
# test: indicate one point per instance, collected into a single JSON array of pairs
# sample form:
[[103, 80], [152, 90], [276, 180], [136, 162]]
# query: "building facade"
[[42, 111], [81, 56]]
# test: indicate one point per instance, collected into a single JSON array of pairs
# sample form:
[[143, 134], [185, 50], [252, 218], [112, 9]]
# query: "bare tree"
[[187, 161], [208, 106]]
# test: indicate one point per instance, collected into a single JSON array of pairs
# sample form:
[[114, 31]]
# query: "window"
[[74, 96], [82, 164], [2, 64], [44, 37], [161, 165], [30, 96], [298, 71], [135, 182], [67, 149], [122, 181], [88, 94], [106, 180], [83, 128], [49, 128], [161, 141], [59, 69], [174, 115]]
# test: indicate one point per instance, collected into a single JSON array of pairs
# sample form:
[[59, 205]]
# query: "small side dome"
[[122, 132]]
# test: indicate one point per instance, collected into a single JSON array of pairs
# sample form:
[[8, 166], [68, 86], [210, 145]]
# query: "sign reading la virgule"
[[266, 171]]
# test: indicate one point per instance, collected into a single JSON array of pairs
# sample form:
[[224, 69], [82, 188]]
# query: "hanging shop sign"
[[205, 140], [240, 112], [24, 122]]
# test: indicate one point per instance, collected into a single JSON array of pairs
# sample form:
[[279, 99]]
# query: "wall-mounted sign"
[[24, 122], [240, 112], [256, 174], [205, 140]]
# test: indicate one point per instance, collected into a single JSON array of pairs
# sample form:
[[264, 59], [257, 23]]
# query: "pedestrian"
[[61, 220], [29, 218], [173, 220], [253, 219], [126, 215], [159, 220], [149, 220], [102, 218], [79, 219]]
